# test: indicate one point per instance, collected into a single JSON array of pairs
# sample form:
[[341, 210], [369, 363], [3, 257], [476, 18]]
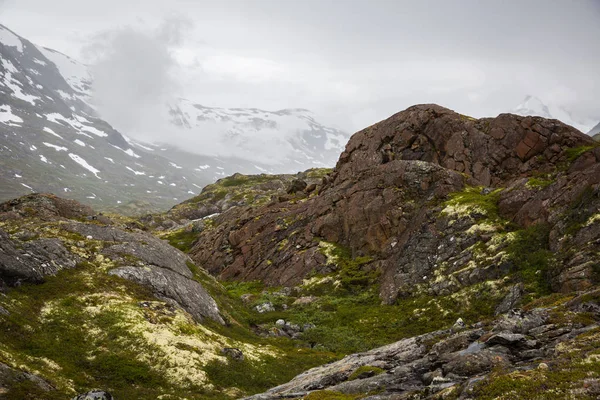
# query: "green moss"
[[551, 384], [318, 172], [574, 153], [365, 371], [529, 252], [330, 395], [539, 182], [182, 239], [352, 273], [254, 376], [473, 201]]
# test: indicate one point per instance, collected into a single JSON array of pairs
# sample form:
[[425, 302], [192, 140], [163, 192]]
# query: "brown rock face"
[[493, 151], [384, 199]]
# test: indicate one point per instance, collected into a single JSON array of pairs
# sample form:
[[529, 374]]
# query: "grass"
[[365, 371], [529, 251], [539, 182], [574, 153], [551, 384], [473, 200], [182, 239], [331, 395], [52, 321]]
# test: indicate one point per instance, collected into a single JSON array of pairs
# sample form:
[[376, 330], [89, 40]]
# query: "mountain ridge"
[[54, 141]]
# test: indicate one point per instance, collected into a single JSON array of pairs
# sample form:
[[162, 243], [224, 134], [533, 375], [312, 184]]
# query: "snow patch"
[[84, 164], [50, 131], [7, 117], [55, 147], [79, 142], [136, 172]]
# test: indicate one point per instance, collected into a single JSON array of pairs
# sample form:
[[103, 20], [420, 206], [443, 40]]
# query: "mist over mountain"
[[57, 117]]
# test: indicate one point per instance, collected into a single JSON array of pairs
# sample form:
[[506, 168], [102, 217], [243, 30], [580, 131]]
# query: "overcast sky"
[[352, 62]]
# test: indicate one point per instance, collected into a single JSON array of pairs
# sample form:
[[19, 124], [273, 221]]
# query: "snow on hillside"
[[288, 138]]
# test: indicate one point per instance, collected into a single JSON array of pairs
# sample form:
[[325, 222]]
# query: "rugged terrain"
[[443, 257]]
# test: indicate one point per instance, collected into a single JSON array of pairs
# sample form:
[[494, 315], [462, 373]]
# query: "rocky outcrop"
[[494, 151], [134, 255], [45, 207], [437, 364], [387, 200], [11, 376], [30, 261]]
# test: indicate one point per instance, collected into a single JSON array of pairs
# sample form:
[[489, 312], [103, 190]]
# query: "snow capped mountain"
[[290, 139], [533, 106], [52, 139]]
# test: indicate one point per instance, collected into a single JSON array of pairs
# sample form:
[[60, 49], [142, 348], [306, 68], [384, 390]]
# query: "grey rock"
[[476, 363], [95, 395], [233, 353], [32, 261], [264, 307], [171, 286], [142, 246], [298, 185], [511, 300], [507, 339], [519, 321], [10, 376]]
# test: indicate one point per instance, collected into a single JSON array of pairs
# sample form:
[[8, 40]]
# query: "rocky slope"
[[90, 301], [413, 194], [443, 257]]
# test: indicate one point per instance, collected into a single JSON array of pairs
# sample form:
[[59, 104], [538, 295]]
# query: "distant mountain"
[[53, 140], [292, 138], [533, 106], [595, 131]]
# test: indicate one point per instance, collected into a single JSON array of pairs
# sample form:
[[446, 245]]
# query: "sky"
[[351, 62]]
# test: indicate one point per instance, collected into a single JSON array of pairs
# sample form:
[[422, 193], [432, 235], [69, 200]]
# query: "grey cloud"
[[134, 74], [353, 61]]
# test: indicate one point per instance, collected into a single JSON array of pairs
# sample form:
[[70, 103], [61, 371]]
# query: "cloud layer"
[[352, 64]]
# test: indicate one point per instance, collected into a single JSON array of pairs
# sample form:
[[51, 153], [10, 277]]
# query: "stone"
[[511, 300], [171, 286], [304, 300], [298, 185], [458, 325], [95, 395], [233, 353], [264, 307], [280, 323], [11, 376], [33, 260]]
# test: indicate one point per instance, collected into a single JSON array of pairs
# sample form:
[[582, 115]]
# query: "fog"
[[352, 63]]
